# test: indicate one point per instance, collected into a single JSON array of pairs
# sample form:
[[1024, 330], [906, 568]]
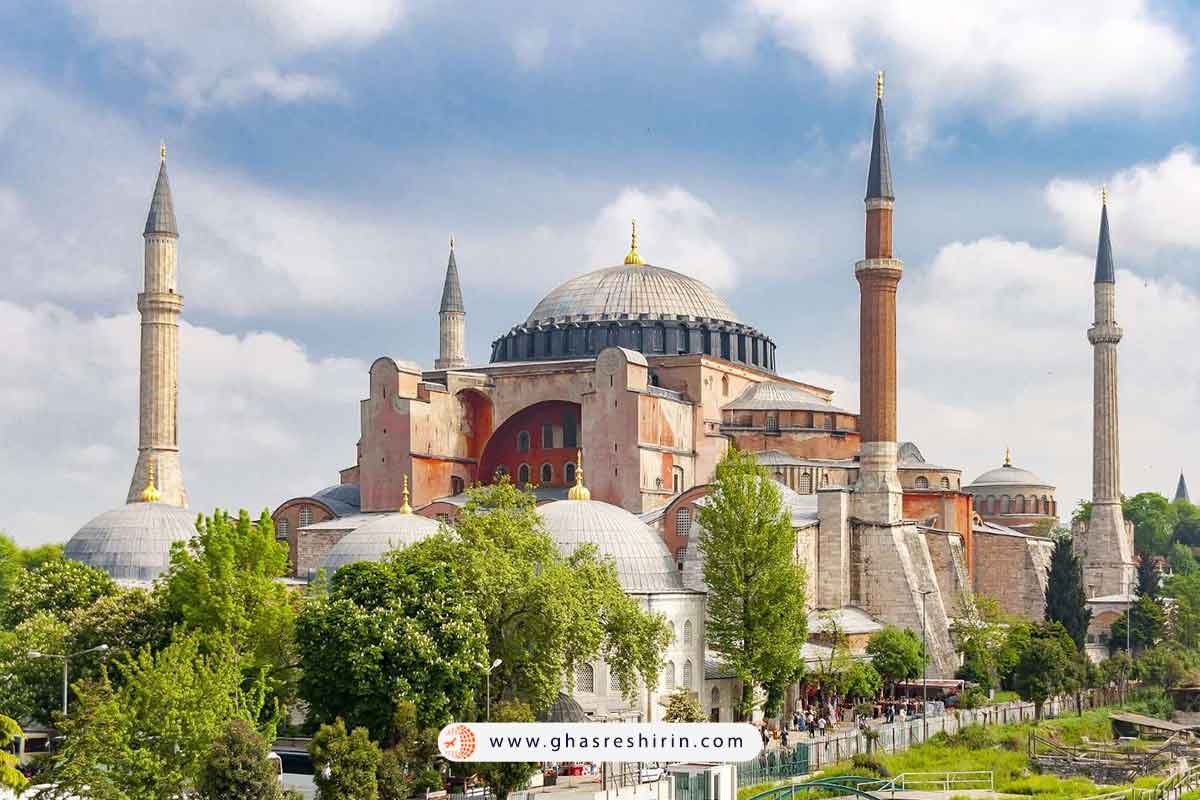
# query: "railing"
[[1172, 788], [933, 782]]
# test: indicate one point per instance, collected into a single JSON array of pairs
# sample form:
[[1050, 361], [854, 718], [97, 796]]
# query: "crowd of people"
[[820, 717]]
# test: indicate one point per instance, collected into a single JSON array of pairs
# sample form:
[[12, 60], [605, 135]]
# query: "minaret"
[[1107, 547], [1181, 492], [878, 496], [451, 321], [159, 305]]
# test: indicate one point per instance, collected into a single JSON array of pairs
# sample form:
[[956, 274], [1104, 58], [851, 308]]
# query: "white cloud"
[[1152, 207], [1011, 57], [529, 47], [260, 418], [231, 51]]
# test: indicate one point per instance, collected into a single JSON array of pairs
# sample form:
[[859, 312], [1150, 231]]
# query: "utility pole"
[[66, 662], [925, 665], [487, 679]]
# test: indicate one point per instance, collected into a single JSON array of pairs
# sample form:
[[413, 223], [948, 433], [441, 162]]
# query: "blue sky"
[[321, 154]]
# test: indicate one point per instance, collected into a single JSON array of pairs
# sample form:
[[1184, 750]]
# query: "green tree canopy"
[[1148, 628], [756, 620], [405, 629], [862, 681], [1066, 600], [31, 688], [1153, 519], [10, 777], [503, 777], [981, 632], [345, 763], [407, 768], [59, 585], [1181, 559], [1187, 523], [1048, 664], [896, 654], [237, 767], [682, 707], [1148, 577], [1185, 612]]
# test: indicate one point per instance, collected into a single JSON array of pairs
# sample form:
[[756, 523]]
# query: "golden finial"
[[405, 508], [452, 243], [879, 84], [162, 151], [150, 494], [633, 257], [1007, 457], [1104, 194], [579, 491]]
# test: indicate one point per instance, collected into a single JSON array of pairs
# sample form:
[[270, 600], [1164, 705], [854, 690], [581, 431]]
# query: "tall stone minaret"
[[159, 305], [878, 496], [451, 320], [1106, 546]]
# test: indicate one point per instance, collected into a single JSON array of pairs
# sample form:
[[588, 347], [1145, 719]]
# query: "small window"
[[715, 696], [305, 516], [614, 685], [569, 472], [281, 530], [680, 555], [724, 386], [805, 484], [585, 678], [457, 485], [945, 483], [830, 421], [683, 521], [687, 632], [671, 641], [687, 674], [569, 437], [669, 676], [825, 479], [523, 474], [1004, 504], [676, 479], [922, 482], [547, 435], [523, 442], [547, 474], [772, 423]]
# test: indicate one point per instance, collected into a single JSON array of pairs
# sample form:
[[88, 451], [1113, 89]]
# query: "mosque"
[[645, 376]]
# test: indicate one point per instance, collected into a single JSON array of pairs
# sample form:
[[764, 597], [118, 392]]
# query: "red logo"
[[457, 742]]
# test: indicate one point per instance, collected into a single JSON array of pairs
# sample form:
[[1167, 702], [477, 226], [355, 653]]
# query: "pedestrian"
[[784, 739], [800, 722], [765, 736], [821, 724]]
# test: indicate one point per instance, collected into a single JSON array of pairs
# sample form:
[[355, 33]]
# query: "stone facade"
[[1013, 569]]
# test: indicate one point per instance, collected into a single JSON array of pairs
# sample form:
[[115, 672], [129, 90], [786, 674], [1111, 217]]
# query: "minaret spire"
[[1106, 547], [452, 316], [160, 304], [1181, 492]]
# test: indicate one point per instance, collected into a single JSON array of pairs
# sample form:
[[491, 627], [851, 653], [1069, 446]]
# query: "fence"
[[895, 737], [1171, 789]]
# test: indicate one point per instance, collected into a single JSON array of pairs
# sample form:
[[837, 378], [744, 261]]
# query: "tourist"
[[821, 725], [783, 738]]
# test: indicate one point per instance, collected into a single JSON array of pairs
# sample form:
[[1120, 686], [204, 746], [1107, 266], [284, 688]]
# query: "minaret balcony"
[[1104, 333]]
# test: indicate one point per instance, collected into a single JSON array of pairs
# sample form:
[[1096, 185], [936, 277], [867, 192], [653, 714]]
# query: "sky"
[[321, 154]]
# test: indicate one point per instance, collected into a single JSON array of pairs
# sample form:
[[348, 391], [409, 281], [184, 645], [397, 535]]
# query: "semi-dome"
[[133, 542], [631, 290], [642, 560], [377, 537]]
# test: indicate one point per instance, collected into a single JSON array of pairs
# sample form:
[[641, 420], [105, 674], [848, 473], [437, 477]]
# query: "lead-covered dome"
[[377, 537], [642, 560], [631, 290], [133, 542]]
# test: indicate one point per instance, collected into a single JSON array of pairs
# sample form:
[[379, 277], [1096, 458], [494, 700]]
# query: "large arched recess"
[[560, 420], [476, 423]]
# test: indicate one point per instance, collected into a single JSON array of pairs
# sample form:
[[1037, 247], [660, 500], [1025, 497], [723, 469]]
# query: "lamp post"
[[487, 677], [66, 662], [924, 666]]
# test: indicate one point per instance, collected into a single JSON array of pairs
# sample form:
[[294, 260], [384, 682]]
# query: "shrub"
[[861, 762]]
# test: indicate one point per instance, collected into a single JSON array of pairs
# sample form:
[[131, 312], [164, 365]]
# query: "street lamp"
[[487, 676], [66, 661], [924, 666]]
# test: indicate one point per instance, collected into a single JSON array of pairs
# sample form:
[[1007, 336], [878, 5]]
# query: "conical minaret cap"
[[1104, 260], [161, 218], [1181, 492], [452, 299], [879, 176]]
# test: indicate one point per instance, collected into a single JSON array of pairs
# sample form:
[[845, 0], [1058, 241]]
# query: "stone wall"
[[1014, 570]]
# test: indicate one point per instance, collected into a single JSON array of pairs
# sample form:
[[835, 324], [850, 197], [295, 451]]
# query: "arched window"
[[1046, 505], [805, 486], [669, 676], [281, 530], [687, 674], [706, 338], [683, 521], [614, 684], [829, 422], [614, 334], [676, 479], [945, 483], [585, 678], [547, 474], [922, 482], [305, 516], [772, 422], [724, 386], [569, 472], [825, 479], [457, 485], [715, 696], [523, 474], [523, 442], [1020, 504], [680, 556], [1005, 504], [660, 339], [687, 632]]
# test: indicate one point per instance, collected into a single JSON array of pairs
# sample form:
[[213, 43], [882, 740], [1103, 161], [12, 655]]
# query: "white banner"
[[599, 741]]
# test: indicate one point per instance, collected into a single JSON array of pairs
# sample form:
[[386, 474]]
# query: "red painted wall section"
[[386, 439], [504, 451]]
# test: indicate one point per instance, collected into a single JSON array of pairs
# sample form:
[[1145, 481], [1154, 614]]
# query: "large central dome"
[[629, 291]]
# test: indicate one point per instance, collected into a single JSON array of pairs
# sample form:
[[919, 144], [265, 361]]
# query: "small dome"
[[642, 560], [632, 290], [377, 537], [1006, 475], [342, 498], [133, 542]]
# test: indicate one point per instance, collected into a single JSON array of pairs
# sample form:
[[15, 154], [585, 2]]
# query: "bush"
[[861, 762], [973, 697], [237, 767]]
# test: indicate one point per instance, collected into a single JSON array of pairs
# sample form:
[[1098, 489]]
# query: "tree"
[[863, 681], [31, 688], [1115, 670], [1066, 600], [1185, 612], [58, 586], [545, 612], [237, 767], [1165, 666], [756, 621], [1047, 666], [1148, 628], [405, 629], [225, 582], [1181, 559], [127, 621], [682, 707], [1153, 519], [345, 763], [896, 654], [1187, 523], [503, 777], [10, 776], [150, 737], [1148, 577], [406, 768], [981, 631]]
